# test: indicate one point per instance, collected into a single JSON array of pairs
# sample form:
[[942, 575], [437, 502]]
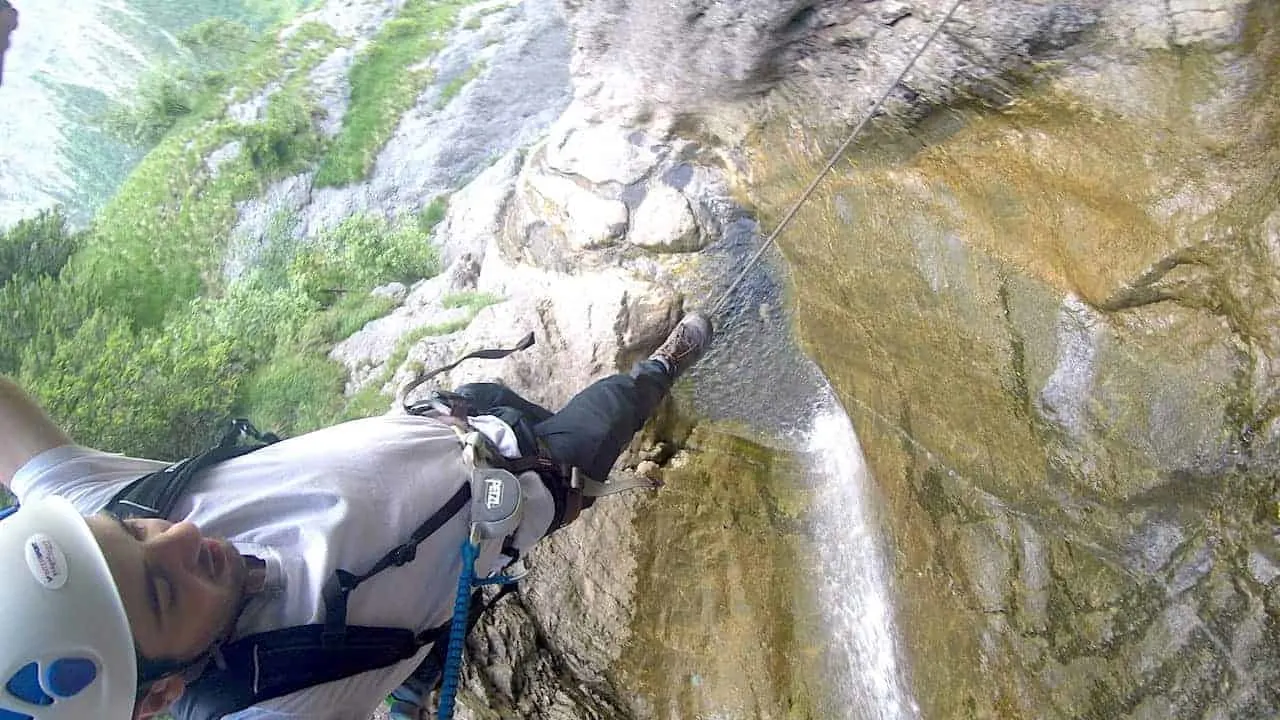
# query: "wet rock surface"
[[1054, 337]]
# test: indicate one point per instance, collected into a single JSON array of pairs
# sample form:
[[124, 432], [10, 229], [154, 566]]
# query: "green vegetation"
[[129, 332], [433, 214], [157, 392], [33, 305], [295, 393], [369, 400], [187, 86], [473, 301], [158, 242], [477, 19], [384, 84], [286, 140], [451, 90], [37, 247], [359, 253], [257, 346]]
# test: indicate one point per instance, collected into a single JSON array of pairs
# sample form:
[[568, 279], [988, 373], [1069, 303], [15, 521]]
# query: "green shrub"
[[38, 246], [362, 252], [451, 90], [259, 317], [162, 98], [158, 242], [186, 86], [473, 301], [433, 214], [34, 303], [368, 402], [161, 394], [35, 315], [286, 138], [344, 319], [295, 393], [218, 42]]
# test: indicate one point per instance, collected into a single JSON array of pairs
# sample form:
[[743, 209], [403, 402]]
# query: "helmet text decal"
[[47, 563]]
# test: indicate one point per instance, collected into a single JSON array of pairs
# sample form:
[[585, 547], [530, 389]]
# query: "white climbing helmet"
[[65, 646]]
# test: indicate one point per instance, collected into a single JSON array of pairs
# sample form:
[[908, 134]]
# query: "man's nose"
[[178, 547]]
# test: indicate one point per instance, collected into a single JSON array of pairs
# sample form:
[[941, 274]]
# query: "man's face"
[[180, 590]]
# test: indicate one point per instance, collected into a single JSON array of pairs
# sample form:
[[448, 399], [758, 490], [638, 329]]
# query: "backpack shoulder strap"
[[268, 665], [154, 495], [341, 584]]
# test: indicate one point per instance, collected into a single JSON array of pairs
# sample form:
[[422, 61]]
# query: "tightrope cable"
[[835, 158]]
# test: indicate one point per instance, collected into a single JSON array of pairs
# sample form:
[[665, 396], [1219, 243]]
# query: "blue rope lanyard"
[[458, 630]]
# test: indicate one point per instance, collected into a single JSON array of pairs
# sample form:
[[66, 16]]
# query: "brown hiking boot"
[[686, 343]]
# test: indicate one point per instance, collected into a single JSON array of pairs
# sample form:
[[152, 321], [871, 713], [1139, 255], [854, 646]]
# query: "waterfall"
[[868, 675]]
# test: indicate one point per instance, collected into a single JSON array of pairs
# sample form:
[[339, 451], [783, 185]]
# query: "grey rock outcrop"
[[520, 87], [828, 60], [599, 184], [664, 222]]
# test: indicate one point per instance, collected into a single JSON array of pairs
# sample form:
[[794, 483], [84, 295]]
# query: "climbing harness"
[[496, 507], [491, 522], [835, 158]]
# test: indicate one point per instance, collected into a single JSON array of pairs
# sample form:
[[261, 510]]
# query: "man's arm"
[[25, 430]]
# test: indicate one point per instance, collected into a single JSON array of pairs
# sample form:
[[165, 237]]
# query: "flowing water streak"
[[67, 59], [868, 675]]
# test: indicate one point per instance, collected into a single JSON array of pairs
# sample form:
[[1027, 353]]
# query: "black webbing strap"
[[338, 588], [154, 495], [268, 665], [487, 354]]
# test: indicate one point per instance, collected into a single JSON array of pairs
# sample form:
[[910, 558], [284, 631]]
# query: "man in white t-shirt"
[[92, 605]]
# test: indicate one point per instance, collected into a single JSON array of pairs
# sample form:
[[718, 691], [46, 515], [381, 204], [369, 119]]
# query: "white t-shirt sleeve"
[[88, 478]]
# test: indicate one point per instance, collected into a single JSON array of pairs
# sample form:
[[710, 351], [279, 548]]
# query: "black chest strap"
[[273, 664], [154, 496]]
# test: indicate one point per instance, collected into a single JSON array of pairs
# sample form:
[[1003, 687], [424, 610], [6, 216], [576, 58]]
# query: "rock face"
[[1050, 309], [1053, 324], [598, 184], [827, 60], [519, 54], [586, 232], [1051, 314]]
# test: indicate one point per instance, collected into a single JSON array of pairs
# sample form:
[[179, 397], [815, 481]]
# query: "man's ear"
[[163, 693]]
